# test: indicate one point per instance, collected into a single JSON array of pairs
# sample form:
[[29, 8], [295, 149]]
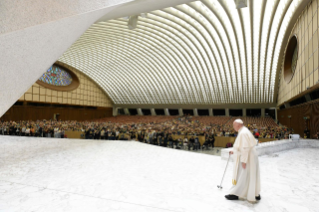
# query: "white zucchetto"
[[239, 121]]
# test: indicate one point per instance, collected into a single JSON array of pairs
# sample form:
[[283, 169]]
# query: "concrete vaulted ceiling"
[[202, 52]]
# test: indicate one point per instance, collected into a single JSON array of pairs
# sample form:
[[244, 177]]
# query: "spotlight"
[[240, 3], [143, 15], [132, 22]]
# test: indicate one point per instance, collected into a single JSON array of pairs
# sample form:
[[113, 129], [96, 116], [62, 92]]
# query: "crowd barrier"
[[74, 134]]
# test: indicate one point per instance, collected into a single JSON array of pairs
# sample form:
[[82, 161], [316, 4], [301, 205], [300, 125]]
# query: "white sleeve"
[[245, 148]]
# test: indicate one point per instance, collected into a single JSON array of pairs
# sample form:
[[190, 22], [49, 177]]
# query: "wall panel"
[[88, 93], [297, 122], [30, 112], [306, 73]]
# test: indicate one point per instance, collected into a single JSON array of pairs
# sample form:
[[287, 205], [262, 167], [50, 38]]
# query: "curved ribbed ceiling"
[[204, 52]]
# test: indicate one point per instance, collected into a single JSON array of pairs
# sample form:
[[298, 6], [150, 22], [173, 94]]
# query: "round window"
[[59, 78], [56, 76], [291, 58]]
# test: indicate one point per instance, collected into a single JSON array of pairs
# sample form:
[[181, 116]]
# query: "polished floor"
[[38, 174]]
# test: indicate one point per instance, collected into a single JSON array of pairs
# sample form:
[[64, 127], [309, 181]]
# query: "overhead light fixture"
[[143, 15], [240, 3], [132, 22]]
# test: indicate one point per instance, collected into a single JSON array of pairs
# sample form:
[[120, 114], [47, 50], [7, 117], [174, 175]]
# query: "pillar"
[[195, 112], [227, 112], [308, 98], [153, 113], [115, 111], [139, 112], [262, 112], [166, 112], [180, 111], [126, 111], [211, 113], [244, 112]]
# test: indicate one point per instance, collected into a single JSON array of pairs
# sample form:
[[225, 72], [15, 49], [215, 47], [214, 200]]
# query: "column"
[[276, 115], [115, 111], [153, 112], [287, 105], [180, 111], [139, 112], [227, 112], [195, 112], [244, 112], [126, 111], [262, 112], [211, 113], [166, 112], [308, 98]]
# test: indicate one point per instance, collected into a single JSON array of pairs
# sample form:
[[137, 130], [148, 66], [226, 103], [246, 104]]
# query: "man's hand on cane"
[[243, 165]]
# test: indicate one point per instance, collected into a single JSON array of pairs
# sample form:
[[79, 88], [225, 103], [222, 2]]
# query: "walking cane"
[[220, 186]]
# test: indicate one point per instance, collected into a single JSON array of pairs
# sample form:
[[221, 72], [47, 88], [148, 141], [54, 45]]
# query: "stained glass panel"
[[56, 76]]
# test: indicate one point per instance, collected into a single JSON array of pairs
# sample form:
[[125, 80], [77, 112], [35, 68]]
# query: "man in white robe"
[[246, 174]]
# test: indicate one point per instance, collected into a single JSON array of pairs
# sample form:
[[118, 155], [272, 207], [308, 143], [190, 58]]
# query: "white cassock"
[[246, 181]]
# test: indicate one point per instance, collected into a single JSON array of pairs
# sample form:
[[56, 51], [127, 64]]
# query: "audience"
[[157, 130]]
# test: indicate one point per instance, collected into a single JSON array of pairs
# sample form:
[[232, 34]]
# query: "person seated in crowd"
[[91, 133], [175, 142], [208, 141], [256, 134], [109, 134], [23, 130], [191, 143], [165, 140], [179, 144], [11, 130], [154, 138], [27, 131], [148, 137], [97, 134], [132, 134], [185, 142], [159, 140], [102, 134], [170, 141], [196, 143], [56, 132], [122, 136], [106, 134], [117, 134], [39, 131], [62, 132], [212, 139], [17, 129]]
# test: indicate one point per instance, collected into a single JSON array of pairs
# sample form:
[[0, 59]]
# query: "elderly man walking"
[[246, 174]]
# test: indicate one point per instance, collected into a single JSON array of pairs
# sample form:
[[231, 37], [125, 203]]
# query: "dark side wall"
[[297, 113], [47, 111]]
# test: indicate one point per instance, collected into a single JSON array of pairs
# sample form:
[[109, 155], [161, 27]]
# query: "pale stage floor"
[[41, 174]]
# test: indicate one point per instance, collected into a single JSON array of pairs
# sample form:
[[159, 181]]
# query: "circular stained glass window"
[[56, 76]]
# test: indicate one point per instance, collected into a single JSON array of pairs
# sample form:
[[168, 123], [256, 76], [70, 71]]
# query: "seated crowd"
[[145, 128]]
